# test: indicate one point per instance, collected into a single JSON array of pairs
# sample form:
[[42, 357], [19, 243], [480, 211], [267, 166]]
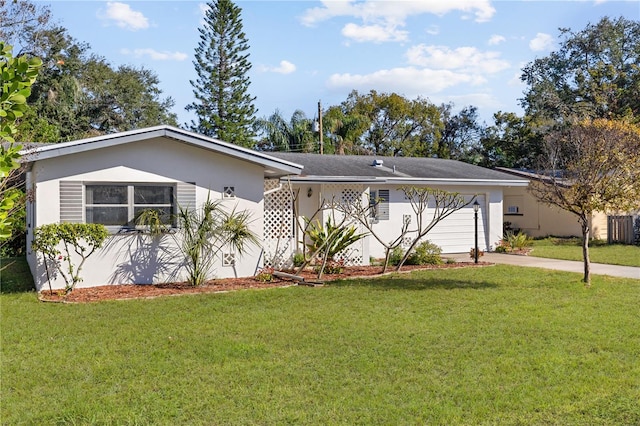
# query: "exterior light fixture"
[[476, 207]]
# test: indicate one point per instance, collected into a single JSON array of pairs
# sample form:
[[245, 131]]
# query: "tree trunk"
[[585, 253]]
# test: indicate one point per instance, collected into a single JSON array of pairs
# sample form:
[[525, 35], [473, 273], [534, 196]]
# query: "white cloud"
[[123, 16], [541, 42], [408, 81], [433, 30], [468, 59], [381, 19], [375, 33], [392, 11], [285, 67], [155, 55], [496, 39]]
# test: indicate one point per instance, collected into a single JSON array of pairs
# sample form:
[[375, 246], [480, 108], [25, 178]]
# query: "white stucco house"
[[104, 180], [107, 179]]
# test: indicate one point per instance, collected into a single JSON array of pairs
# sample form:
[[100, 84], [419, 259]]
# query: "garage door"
[[456, 233]]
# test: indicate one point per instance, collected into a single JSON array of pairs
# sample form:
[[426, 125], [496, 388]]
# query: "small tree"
[[591, 166], [205, 232], [363, 214], [445, 203], [83, 239]]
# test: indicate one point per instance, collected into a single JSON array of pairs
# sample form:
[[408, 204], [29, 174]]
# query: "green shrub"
[[425, 253], [396, 256], [518, 241], [298, 259]]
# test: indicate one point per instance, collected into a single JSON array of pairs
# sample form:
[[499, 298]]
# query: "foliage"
[[329, 240], [472, 253], [591, 166], [276, 134], [223, 106], [265, 274], [516, 241], [16, 275], [298, 259], [460, 134], [395, 125], [425, 253], [79, 94], [594, 74], [510, 142], [206, 232], [17, 75], [83, 239], [153, 220], [469, 346]]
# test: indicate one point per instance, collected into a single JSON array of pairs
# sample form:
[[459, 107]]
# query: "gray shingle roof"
[[396, 168]]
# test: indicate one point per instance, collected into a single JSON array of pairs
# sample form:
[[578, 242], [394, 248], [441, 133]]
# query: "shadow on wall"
[[145, 259]]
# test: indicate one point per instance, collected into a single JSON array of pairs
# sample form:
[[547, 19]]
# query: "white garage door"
[[456, 233]]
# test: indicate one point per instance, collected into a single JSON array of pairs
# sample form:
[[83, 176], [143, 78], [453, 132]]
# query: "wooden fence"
[[620, 229]]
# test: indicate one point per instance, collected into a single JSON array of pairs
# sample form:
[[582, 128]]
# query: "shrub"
[[518, 241], [298, 259], [265, 274], [425, 253], [83, 238]]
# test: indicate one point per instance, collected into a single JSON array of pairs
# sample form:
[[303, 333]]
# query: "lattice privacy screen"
[[279, 233], [354, 254]]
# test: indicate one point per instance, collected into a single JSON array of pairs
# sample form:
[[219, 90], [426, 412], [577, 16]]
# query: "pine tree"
[[223, 106]]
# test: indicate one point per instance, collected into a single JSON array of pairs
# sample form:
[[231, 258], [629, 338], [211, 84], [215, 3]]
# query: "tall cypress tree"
[[223, 106]]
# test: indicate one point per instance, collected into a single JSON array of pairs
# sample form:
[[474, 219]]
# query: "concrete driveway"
[[561, 265]]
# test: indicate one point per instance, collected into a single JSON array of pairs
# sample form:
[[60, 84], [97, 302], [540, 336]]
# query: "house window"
[[379, 204], [117, 205]]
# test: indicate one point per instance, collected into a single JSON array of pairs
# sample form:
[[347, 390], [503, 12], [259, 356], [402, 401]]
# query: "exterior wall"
[[538, 219], [139, 258]]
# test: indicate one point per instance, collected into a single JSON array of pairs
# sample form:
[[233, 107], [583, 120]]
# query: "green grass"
[[599, 252], [494, 345]]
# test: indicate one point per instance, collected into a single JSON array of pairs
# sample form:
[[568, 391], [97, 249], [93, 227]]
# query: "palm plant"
[[279, 135], [205, 232]]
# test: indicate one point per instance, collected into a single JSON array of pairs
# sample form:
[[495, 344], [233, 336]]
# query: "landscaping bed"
[[140, 291]]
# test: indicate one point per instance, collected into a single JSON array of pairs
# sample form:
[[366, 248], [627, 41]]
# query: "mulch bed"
[[133, 291]]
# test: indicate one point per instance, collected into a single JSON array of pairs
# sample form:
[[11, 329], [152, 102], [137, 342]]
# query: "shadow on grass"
[[419, 283], [15, 276]]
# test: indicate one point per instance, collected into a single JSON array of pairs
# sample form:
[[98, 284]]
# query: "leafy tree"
[[344, 131], [17, 75], [591, 166], [510, 142], [206, 231], [460, 134], [397, 126], [594, 74], [296, 135], [223, 106]]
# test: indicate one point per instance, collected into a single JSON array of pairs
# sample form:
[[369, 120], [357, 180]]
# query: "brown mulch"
[[141, 291]]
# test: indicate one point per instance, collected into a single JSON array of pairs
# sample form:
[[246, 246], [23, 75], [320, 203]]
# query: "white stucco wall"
[[142, 258]]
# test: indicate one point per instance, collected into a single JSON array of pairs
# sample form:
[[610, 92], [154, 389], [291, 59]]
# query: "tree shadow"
[[397, 282], [145, 259]]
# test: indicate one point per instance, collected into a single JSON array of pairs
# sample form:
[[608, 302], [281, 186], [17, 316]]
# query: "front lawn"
[[492, 345], [599, 252]]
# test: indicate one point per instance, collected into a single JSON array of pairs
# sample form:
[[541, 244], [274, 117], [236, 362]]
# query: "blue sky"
[[469, 52]]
